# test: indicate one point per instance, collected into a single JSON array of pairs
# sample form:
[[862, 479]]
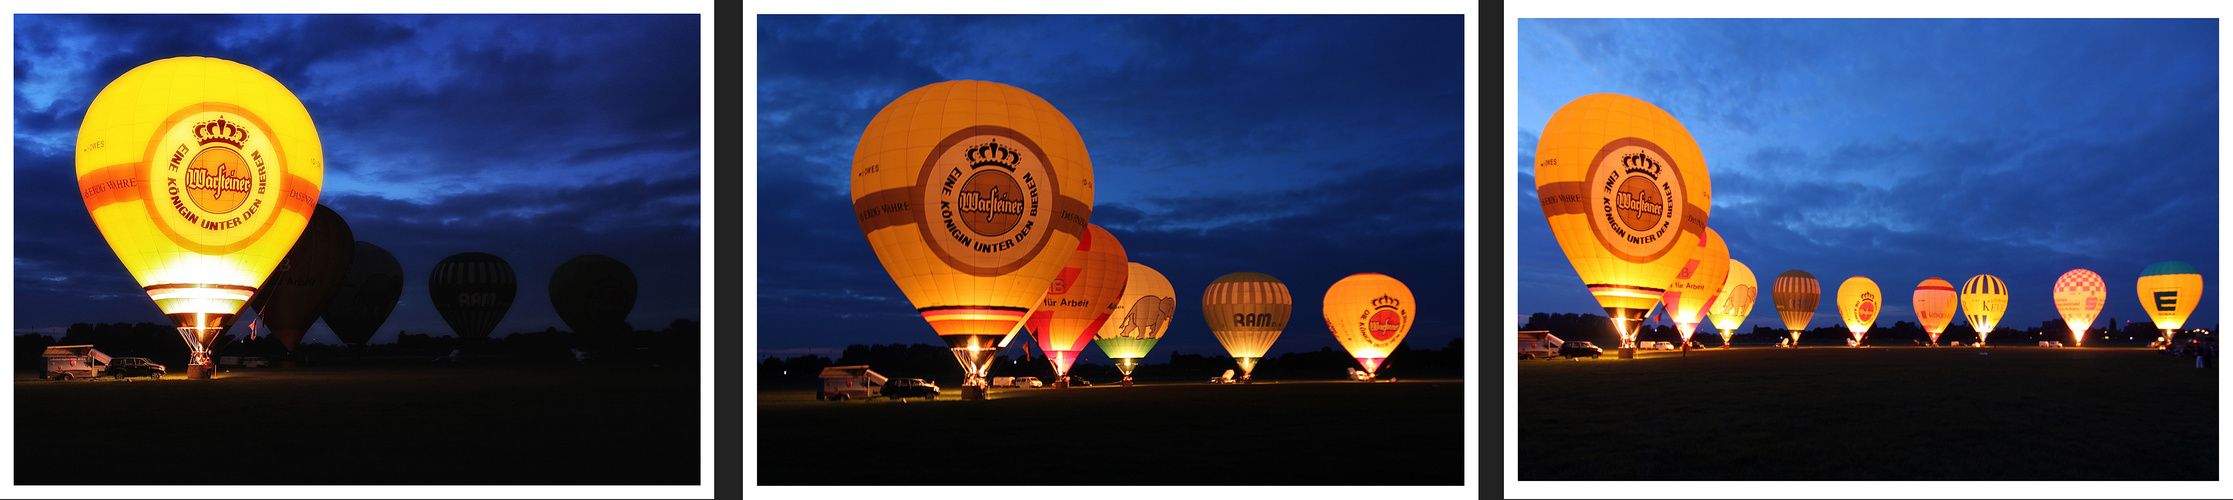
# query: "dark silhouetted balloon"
[[472, 290], [291, 298], [367, 293], [593, 294]]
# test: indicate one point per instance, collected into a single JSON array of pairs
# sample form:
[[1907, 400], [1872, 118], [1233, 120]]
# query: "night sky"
[[535, 138], [1902, 150], [1304, 147]]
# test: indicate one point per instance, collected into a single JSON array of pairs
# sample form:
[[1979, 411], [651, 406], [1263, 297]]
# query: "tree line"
[[937, 364]]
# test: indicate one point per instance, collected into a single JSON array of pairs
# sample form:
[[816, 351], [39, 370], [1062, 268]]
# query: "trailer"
[[1539, 344], [64, 362], [849, 382]]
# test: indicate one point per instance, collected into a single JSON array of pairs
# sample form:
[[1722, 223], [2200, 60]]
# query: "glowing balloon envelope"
[[973, 195], [1797, 295], [1141, 316], [593, 294], [472, 291], [1080, 300], [2168, 291], [2078, 296], [1729, 307], [1624, 188], [1369, 314], [1247, 311], [366, 295], [1860, 302], [1935, 304], [289, 301], [200, 173], [1697, 284], [1984, 299]]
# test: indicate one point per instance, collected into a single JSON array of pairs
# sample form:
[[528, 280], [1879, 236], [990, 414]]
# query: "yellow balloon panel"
[[200, 174], [1738, 293], [1984, 299], [1247, 311], [1698, 283], [973, 195], [2079, 295], [1859, 302], [1083, 295], [1935, 305], [1625, 191], [1369, 314], [2169, 292]]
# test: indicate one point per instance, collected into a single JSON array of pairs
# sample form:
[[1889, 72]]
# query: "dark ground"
[[417, 424], [1900, 413], [1289, 433]]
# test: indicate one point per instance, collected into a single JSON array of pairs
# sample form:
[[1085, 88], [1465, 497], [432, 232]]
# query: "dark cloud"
[[537, 138]]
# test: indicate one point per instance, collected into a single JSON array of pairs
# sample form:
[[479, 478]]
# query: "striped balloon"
[[1984, 299], [1247, 311], [1797, 294], [472, 290]]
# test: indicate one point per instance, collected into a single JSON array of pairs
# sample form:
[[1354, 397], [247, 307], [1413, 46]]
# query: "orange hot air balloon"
[[2168, 291], [2078, 296], [1797, 295], [1935, 304], [1080, 300], [1247, 311], [1697, 284], [1625, 190], [200, 173], [1369, 313], [1860, 302], [973, 195], [1984, 299], [1730, 307]]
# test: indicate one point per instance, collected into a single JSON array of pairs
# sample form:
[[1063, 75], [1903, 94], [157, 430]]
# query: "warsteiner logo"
[[1867, 310], [989, 195], [212, 174], [1637, 198]]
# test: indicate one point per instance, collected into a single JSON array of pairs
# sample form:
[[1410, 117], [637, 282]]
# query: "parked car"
[[1579, 348], [1662, 346], [1032, 382], [135, 367], [910, 388]]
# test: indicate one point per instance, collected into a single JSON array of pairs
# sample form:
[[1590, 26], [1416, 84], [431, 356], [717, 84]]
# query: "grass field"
[[370, 425], [1900, 413], [1290, 433]]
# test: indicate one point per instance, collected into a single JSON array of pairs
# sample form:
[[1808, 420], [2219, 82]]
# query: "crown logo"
[[220, 131], [992, 153], [1386, 301]]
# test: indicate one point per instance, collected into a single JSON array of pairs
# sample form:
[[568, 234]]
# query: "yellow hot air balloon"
[[1935, 302], [973, 195], [1625, 191], [1797, 295], [2168, 291], [1860, 301], [2078, 296], [1984, 299], [200, 173], [1139, 320], [1697, 284], [1247, 311], [1729, 308], [1369, 313], [1079, 301]]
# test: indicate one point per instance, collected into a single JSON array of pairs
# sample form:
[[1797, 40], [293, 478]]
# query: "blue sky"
[[536, 138], [1304, 147], [1905, 149]]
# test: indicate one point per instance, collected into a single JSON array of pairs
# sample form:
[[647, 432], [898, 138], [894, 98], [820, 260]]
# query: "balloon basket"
[[199, 372], [1627, 353], [1128, 381], [972, 393], [1061, 384]]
